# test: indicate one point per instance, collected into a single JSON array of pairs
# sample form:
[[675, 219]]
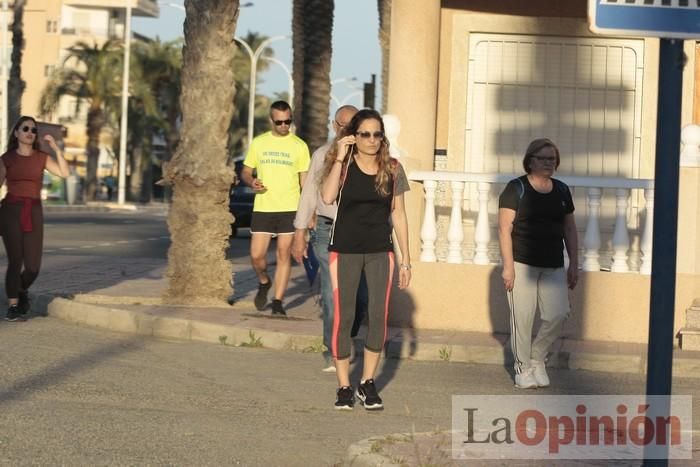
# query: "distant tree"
[[16, 84], [199, 219], [312, 31], [91, 80], [161, 65], [154, 109]]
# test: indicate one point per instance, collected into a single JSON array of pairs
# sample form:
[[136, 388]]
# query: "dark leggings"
[[346, 270], [23, 248]]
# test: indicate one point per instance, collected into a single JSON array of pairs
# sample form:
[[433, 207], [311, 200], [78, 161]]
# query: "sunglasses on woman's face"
[[367, 134], [27, 129]]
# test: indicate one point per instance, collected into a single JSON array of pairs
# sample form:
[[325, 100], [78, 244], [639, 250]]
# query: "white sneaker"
[[540, 373], [329, 369], [526, 379]]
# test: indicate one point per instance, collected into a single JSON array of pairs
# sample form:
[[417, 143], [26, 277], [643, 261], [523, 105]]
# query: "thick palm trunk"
[[199, 221], [95, 123], [16, 84], [312, 30], [384, 42], [136, 177]]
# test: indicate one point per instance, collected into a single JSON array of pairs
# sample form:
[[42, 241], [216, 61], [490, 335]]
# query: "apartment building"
[[50, 28]]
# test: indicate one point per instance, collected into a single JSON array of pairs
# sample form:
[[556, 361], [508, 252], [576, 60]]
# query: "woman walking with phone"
[[368, 186]]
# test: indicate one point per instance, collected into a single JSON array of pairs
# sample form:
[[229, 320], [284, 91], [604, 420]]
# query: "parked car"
[[241, 198]]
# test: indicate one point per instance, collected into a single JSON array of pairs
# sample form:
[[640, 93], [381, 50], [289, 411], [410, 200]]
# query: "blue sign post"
[[671, 20]]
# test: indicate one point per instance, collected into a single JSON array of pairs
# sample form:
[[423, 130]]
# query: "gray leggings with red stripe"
[[345, 271]]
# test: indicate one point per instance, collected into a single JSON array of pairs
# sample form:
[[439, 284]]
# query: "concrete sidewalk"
[[134, 305], [123, 294]]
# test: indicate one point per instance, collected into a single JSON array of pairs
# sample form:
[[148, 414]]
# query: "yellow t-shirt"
[[278, 161]]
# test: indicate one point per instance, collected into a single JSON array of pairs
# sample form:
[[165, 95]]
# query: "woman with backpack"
[[368, 185], [535, 215]]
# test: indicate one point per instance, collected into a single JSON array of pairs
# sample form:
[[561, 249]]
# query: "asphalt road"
[[136, 234], [78, 396]]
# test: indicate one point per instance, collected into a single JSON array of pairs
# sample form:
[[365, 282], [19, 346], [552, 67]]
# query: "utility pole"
[[370, 91], [123, 127]]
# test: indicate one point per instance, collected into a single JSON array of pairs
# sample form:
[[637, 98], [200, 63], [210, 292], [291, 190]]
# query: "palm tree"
[[161, 65], [199, 220], [16, 84], [384, 7], [153, 109], [312, 31], [93, 80], [144, 120]]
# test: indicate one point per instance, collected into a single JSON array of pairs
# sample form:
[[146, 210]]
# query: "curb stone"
[[135, 322], [106, 207], [103, 311]]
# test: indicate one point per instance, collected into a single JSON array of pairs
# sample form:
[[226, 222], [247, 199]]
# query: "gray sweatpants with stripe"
[[535, 287]]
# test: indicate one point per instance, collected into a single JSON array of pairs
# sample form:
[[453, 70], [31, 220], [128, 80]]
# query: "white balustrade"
[[482, 232], [647, 236], [455, 234], [591, 240], [621, 239], [428, 232]]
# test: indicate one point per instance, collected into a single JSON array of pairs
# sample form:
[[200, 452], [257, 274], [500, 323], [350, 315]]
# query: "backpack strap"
[[522, 188]]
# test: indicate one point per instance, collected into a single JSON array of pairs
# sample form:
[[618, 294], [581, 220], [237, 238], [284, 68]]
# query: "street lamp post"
[[289, 76], [338, 103], [123, 129], [254, 56]]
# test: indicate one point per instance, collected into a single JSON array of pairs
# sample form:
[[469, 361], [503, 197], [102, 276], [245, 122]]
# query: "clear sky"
[[356, 52]]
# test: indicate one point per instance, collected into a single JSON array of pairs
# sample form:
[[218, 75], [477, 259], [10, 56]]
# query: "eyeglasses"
[[368, 135], [340, 125], [282, 122], [551, 160], [27, 129]]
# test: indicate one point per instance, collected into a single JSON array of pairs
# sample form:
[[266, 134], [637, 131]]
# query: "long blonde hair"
[[384, 161]]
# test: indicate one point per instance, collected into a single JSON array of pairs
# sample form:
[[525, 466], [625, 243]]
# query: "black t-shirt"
[[538, 228], [363, 223]]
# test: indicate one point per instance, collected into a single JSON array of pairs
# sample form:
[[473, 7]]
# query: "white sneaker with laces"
[[526, 379], [540, 373], [330, 368]]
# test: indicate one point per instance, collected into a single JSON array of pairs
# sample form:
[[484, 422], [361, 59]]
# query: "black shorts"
[[276, 223]]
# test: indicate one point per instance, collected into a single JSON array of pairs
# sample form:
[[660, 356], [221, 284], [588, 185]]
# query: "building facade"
[[51, 27], [472, 82]]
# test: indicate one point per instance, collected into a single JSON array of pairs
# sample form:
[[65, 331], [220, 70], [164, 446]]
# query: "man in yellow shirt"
[[281, 160]]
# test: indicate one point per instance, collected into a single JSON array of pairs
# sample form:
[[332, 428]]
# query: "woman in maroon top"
[[21, 217]]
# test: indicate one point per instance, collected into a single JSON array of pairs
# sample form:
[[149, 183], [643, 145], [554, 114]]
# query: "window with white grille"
[[583, 93]]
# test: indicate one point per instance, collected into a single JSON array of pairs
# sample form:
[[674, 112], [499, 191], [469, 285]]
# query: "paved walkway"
[[124, 295]]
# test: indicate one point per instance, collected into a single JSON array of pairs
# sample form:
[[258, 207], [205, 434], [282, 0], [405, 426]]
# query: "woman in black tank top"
[[368, 186]]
